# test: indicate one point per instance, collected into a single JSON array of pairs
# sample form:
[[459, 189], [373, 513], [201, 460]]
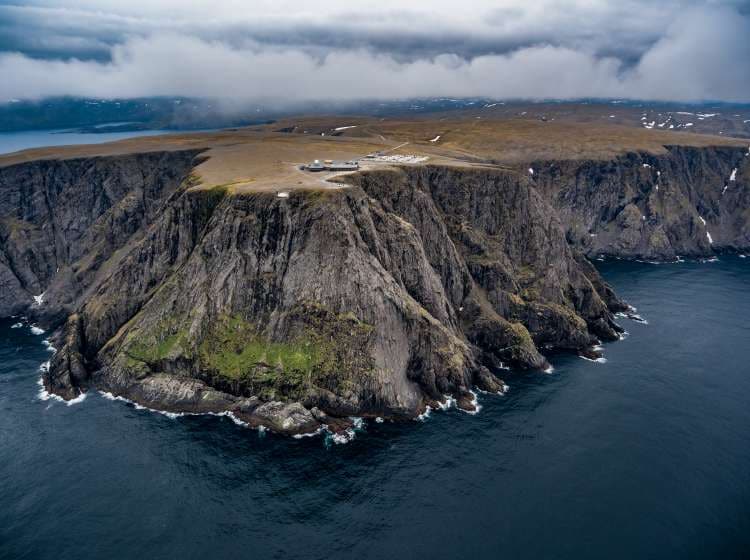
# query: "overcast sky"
[[288, 51]]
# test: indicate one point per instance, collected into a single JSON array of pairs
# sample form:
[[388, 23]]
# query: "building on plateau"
[[330, 165]]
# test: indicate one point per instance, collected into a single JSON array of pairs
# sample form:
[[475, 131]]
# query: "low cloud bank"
[[702, 54]]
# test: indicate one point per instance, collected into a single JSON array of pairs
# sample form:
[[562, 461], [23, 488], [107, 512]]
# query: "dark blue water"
[[646, 456]]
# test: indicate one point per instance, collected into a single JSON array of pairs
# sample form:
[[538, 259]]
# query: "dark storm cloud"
[[673, 49]]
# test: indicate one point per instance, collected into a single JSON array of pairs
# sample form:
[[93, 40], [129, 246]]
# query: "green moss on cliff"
[[322, 349]]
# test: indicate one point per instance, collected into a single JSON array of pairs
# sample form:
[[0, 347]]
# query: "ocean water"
[[15, 141], [644, 456]]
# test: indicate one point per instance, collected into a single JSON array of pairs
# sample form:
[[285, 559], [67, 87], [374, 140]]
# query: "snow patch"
[[39, 300], [344, 127], [733, 176], [435, 139]]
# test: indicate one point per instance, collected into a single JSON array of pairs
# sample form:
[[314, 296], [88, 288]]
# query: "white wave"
[[550, 369], [379, 420], [601, 360], [743, 256], [347, 435], [36, 330], [503, 389], [49, 346], [174, 415], [425, 415], [342, 437], [475, 404], [449, 402], [44, 395], [16, 326], [309, 434]]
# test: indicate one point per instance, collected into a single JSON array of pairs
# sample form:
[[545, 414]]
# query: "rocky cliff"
[[377, 299], [689, 202]]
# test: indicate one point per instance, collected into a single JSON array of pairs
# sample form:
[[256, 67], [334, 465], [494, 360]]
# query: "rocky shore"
[[411, 286]]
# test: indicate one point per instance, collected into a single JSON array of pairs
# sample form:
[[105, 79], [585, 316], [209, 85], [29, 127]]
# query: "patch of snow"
[[39, 300], [710, 239], [345, 127], [282, 194], [733, 176], [646, 165], [702, 220], [724, 189], [706, 115], [435, 139], [688, 124], [531, 170]]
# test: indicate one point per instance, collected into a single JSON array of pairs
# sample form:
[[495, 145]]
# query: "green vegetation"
[[322, 349], [159, 347]]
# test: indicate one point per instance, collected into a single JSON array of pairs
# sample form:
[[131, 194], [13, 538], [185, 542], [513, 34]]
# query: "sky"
[[285, 51]]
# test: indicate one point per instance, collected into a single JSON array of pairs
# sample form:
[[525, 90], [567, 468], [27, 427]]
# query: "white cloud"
[[701, 53]]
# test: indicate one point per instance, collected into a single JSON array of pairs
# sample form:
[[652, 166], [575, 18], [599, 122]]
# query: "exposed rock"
[[374, 300], [644, 206]]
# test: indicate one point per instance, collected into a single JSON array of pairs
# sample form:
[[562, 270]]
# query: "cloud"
[[675, 50]]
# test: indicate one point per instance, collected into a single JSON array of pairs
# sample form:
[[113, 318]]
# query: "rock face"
[[689, 202], [377, 299]]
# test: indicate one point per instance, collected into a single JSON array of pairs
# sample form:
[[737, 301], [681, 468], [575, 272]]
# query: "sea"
[[24, 140], [644, 455]]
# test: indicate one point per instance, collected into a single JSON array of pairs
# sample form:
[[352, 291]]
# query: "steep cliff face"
[[689, 202], [377, 298], [61, 220]]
